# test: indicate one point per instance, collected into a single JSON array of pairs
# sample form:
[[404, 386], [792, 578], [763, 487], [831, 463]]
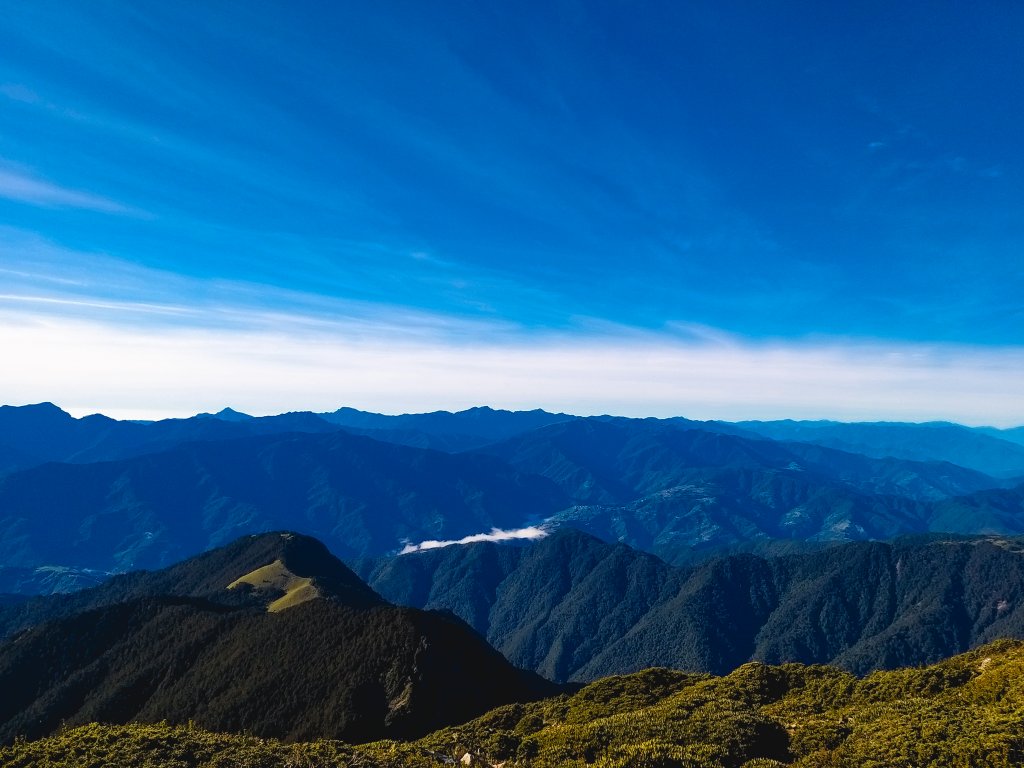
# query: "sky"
[[710, 209]]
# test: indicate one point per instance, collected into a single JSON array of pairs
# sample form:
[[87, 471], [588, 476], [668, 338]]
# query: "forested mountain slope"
[[573, 607], [964, 711], [272, 636]]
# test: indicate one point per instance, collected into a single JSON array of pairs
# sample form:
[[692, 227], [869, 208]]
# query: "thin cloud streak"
[[120, 306], [144, 372], [23, 188], [530, 533], [386, 299]]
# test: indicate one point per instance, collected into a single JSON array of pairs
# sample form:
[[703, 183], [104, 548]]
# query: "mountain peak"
[[319, 671], [290, 569], [37, 410], [226, 414]]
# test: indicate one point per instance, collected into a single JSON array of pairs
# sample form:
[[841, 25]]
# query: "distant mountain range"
[[361, 496], [986, 449], [44, 580], [686, 493], [127, 495], [270, 635], [572, 607], [443, 430], [36, 434]]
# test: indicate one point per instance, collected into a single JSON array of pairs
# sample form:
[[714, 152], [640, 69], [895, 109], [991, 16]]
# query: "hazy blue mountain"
[[686, 493], [770, 513], [728, 512], [463, 429], [673, 487], [986, 452], [573, 607], [607, 462], [602, 461], [361, 496], [37, 433], [227, 414], [45, 580], [11, 459], [34, 434], [271, 635], [417, 438], [1012, 434]]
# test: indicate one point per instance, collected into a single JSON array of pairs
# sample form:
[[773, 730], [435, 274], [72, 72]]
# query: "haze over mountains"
[[929, 441], [361, 495], [130, 495], [36, 434]]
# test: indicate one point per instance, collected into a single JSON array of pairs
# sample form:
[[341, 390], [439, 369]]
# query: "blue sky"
[[835, 185]]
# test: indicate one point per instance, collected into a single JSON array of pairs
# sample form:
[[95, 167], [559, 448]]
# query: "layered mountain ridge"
[[684, 490]]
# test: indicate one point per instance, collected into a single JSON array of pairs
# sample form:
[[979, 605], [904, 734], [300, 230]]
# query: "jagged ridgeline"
[[271, 636], [966, 711]]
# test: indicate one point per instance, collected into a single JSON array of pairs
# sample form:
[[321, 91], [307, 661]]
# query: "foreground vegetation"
[[966, 711]]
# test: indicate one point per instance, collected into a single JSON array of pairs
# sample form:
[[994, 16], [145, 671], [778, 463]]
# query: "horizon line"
[[80, 413]]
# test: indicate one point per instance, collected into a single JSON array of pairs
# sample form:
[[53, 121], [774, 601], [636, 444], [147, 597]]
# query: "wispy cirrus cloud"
[[137, 342], [20, 93], [287, 360], [23, 187]]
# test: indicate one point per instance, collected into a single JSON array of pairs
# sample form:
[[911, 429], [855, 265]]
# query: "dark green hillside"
[[361, 496], [573, 607], [992, 511], [964, 712], [285, 643], [315, 670], [206, 576]]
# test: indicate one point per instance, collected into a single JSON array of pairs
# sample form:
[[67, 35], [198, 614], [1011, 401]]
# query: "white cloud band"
[[496, 534], [144, 372], [120, 339]]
